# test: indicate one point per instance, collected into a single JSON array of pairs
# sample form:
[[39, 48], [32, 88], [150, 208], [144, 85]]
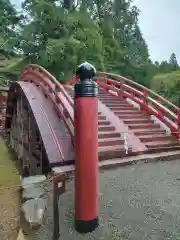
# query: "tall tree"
[[9, 19], [173, 62], [59, 34], [60, 39]]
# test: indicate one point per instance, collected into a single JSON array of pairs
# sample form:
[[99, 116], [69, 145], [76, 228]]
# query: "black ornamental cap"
[[86, 87]]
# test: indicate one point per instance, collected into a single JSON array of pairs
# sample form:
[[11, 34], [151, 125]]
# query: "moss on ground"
[[9, 195]]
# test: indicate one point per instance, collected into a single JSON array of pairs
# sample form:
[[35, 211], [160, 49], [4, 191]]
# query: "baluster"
[[105, 78], [144, 106], [178, 123], [106, 82], [121, 92]]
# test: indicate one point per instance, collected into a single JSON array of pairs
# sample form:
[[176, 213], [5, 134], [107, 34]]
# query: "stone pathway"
[[140, 202]]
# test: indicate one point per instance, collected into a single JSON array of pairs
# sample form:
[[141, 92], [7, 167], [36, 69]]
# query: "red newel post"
[[86, 150]]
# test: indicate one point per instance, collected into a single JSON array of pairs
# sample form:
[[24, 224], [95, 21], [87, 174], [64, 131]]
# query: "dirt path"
[[9, 198]]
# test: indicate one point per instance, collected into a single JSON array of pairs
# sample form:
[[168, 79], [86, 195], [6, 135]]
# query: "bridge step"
[[123, 105], [123, 108], [143, 132], [130, 117], [164, 148], [155, 138], [111, 152], [123, 112], [115, 101], [109, 99], [100, 117], [137, 121], [103, 135], [111, 142], [161, 144], [109, 96], [106, 128], [144, 126], [104, 123]]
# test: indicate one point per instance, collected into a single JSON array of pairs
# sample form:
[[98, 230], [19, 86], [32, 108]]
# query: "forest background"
[[60, 34]]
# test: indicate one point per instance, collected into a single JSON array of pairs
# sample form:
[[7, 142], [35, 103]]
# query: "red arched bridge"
[[133, 120]]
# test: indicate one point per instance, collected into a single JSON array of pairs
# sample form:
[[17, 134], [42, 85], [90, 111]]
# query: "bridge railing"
[[51, 88], [148, 100]]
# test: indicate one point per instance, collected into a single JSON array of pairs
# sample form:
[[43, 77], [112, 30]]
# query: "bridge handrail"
[[148, 100], [52, 88], [137, 85], [52, 79]]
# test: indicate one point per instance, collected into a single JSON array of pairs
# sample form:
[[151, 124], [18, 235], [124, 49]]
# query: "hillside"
[[168, 85]]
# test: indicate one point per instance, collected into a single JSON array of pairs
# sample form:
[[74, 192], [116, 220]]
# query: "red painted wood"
[[117, 116], [120, 127], [86, 158]]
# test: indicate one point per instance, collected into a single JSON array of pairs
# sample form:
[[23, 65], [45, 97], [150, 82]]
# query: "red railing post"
[[144, 106], [86, 150], [178, 123], [105, 79], [121, 92]]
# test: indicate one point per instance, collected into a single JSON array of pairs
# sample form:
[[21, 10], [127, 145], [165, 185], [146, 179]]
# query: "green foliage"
[[9, 20], [60, 34], [104, 32], [168, 85]]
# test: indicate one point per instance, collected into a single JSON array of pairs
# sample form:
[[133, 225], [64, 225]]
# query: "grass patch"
[[8, 172], [9, 195]]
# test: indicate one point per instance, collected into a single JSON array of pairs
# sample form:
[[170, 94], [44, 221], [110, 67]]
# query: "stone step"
[[33, 210], [28, 181]]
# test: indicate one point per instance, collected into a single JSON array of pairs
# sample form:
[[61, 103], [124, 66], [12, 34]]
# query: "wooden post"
[[58, 189]]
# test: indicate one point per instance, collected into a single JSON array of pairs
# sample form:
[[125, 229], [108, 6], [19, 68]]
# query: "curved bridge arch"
[[45, 122], [125, 124]]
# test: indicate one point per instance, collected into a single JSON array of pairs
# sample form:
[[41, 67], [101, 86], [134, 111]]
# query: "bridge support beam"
[[86, 150]]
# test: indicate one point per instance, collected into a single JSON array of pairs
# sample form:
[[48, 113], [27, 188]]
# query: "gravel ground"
[[140, 202]]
